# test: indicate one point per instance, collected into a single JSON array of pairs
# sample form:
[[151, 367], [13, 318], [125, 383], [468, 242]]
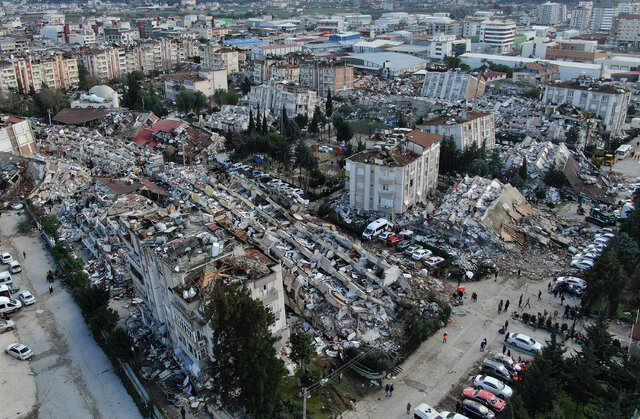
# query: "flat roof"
[[398, 61], [523, 60]]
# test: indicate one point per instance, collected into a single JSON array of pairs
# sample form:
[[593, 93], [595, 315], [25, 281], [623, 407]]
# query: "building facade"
[[580, 18], [206, 82], [392, 181], [602, 19], [325, 77], [626, 31], [606, 101], [452, 85], [214, 57], [274, 96], [576, 50], [499, 34], [552, 13], [53, 70], [466, 128]]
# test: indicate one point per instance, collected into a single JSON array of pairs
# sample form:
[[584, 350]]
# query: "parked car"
[[17, 206], [507, 361], [473, 409], [6, 326], [413, 248], [583, 264], [524, 342], [393, 240], [19, 351], [9, 305], [578, 282], [403, 245], [424, 411], [14, 267], [569, 289], [493, 385], [433, 261], [451, 415], [27, 298], [499, 371], [485, 397], [421, 254], [6, 257], [384, 235]]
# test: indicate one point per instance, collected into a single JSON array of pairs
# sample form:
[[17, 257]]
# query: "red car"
[[393, 240], [485, 397]]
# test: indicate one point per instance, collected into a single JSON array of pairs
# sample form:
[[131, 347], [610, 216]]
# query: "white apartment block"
[[466, 128], [602, 19], [206, 82], [606, 101], [632, 8], [452, 85], [215, 57], [274, 50], [626, 31], [8, 79], [392, 181], [580, 18], [552, 13], [273, 96], [498, 33], [84, 38]]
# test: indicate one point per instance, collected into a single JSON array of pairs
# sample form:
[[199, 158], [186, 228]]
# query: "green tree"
[[449, 155], [104, 319], [479, 168], [53, 99], [251, 128], [555, 178], [314, 125], [452, 62], [245, 368], [131, 97], [301, 347], [328, 108], [532, 93], [245, 86], [265, 126], [496, 165], [91, 297], [344, 132], [302, 120], [605, 280], [627, 250], [51, 225], [119, 343]]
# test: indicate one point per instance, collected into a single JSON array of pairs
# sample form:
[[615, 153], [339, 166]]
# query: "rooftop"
[[458, 118], [423, 139], [389, 158], [185, 77]]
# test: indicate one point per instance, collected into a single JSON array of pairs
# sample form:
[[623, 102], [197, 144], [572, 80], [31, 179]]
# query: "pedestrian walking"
[[506, 336], [391, 390], [386, 390], [482, 345], [555, 292], [50, 289], [408, 408], [504, 349], [506, 324], [24, 254], [561, 299], [509, 353], [474, 297], [520, 300], [506, 306], [183, 412], [539, 295], [528, 304], [445, 337], [519, 273], [549, 286], [495, 277]]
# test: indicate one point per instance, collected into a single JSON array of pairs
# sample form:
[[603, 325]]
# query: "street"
[[69, 375]]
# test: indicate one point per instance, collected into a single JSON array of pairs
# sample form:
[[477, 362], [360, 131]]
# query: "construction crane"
[[596, 215]]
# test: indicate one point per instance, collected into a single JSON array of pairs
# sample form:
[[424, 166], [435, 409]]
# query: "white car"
[[605, 235], [19, 351], [6, 326], [27, 298], [451, 415], [524, 343], [493, 385], [580, 283], [434, 261], [583, 264], [601, 240], [14, 267], [384, 236], [411, 249], [6, 257], [17, 206], [421, 254]]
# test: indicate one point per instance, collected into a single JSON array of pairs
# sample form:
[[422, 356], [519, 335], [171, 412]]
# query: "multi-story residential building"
[[393, 180], [552, 13], [331, 25], [499, 34], [82, 38], [466, 128], [540, 72], [602, 19], [106, 63], [632, 8], [206, 82], [452, 85], [214, 57], [55, 70], [274, 50], [325, 77], [441, 46], [466, 28], [120, 36], [174, 269], [626, 31], [8, 79], [274, 96], [16, 136], [576, 50], [605, 101], [580, 18]]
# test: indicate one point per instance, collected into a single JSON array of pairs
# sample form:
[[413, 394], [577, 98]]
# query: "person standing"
[[445, 337], [506, 306], [504, 349], [509, 353], [409, 408], [24, 254], [495, 278], [520, 300], [183, 412], [561, 299], [519, 273], [528, 303], [506, 325], [386, 390], [458, 407], [50, 289], [539, 295], [391, 390]]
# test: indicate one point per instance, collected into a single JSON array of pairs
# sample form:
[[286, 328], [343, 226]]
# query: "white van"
[[5, 278], [9, 305], [375, 228]]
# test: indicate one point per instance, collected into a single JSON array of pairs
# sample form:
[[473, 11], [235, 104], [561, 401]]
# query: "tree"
[[50, 225], [479, 168], [245, 86], [302, 120], [573, 135], [92, 297], [449, 155], [532, 93], [104, 319], [314, 125], [133, 88], [285, 122], [627, 250], [53, 99], [85, 81], [251, 127], [523, 172], [265, 126], [452, 62], [605, 280], [555, 178], [344, 132], [188, 101], [329, 105], [244, 367], [301, 347], [496, 165], [119, 343]]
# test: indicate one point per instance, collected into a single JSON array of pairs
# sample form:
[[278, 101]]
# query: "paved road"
[[430, 373], [69, 376]]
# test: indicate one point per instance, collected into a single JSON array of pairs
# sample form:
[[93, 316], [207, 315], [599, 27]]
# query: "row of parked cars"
[[10, 305], [586, 258], [403, 243], [291, 192]]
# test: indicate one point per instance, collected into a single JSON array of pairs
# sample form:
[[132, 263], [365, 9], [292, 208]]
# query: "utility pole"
[[49, 112], [304, 403]]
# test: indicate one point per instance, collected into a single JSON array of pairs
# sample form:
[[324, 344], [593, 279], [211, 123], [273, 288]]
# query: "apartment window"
[[360, 171], [359, 185], [411, 183], [385, 187]]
